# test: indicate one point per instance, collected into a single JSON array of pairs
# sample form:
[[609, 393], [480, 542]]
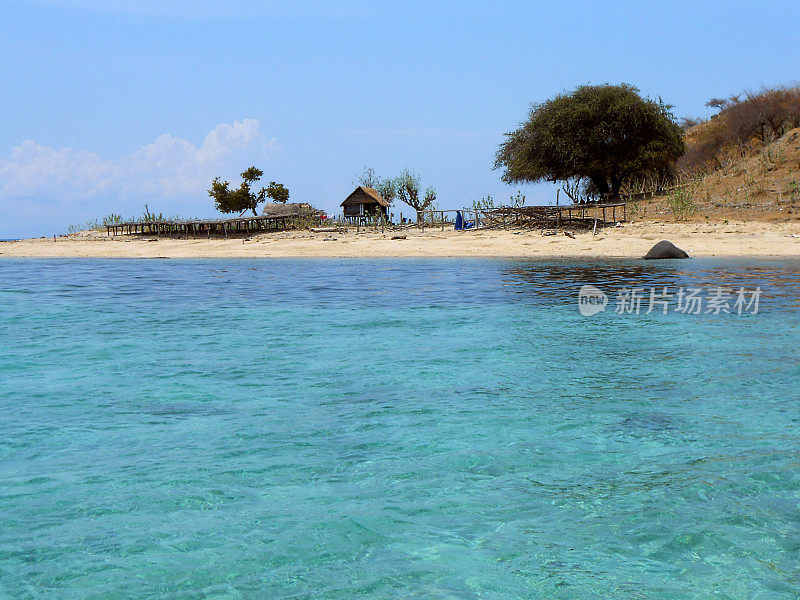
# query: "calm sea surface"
[[394, 429]]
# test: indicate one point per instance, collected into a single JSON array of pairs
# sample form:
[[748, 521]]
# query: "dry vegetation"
[[744, 163]]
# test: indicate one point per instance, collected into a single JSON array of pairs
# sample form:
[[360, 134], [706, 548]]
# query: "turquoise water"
[[394, 429]]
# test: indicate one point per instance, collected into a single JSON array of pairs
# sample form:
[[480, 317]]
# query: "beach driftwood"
[[665, 249]]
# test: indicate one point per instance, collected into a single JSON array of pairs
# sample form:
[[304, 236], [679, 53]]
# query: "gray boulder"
[[665, 249]]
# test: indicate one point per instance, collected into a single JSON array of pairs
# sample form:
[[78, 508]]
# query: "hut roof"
[[276, 209], [370, 192]]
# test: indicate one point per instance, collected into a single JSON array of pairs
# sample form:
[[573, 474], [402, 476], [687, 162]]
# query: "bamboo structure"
[[581, 215], [224, 227]]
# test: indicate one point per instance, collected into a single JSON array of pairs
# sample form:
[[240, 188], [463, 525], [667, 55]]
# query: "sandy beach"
[[629, 240]]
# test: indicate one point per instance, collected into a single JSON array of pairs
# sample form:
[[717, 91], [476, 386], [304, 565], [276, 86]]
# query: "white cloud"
[[168, 167], [44, 189]]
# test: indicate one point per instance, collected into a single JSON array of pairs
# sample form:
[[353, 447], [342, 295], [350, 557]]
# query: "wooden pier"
[[221, 227], [580, 215]]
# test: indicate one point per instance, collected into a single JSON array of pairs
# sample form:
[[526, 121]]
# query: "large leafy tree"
[[242, 199], [603, 135]]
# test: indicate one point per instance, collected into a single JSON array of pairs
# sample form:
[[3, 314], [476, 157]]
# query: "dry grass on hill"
[[763, 185]]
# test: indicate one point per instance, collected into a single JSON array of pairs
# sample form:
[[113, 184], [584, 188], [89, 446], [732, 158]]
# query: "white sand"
[[632, 240]]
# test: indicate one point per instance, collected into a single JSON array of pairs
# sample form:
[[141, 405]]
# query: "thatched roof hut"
[[276, 209], [365, 202]]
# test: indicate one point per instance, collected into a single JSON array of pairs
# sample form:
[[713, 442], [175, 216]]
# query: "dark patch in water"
[[649, 422]]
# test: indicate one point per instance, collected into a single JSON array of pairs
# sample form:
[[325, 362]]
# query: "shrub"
[[744, 122], [681, 201]]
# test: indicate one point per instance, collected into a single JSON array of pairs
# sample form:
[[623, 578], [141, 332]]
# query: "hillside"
[[762, 185]]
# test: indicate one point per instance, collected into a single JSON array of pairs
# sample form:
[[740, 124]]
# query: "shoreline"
[[752, 239]]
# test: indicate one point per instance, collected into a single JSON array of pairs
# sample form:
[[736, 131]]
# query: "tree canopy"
[[600, 134], [243, 198], [387, 188], [277, 192], [407, 185]]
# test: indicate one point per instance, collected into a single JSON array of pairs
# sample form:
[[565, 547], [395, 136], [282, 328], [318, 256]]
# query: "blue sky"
[[110, 105]]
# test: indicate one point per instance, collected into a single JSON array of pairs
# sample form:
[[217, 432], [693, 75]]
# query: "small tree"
[[484, 203], [430, 197], [518, 200], [368, 178], [277, 192], [602, 134], [408, 186], [242, 199], [385, 187], [686, 123]]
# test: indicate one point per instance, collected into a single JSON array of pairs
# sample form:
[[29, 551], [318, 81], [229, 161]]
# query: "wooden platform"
[[223, 227], [554, 216]]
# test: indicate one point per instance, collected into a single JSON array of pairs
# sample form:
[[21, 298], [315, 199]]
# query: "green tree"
[[277, 192], [407, 187], [600, 134], [242, 199], [368, 178], [385, 187]]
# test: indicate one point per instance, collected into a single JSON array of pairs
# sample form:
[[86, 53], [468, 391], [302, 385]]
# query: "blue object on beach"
[[462, 223]]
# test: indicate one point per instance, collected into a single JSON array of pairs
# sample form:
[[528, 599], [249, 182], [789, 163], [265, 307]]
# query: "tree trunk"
[[616, 184], [601, 183]]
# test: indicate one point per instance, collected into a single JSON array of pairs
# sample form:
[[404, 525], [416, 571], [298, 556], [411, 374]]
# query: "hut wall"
[[360, 204], [353, 210]]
